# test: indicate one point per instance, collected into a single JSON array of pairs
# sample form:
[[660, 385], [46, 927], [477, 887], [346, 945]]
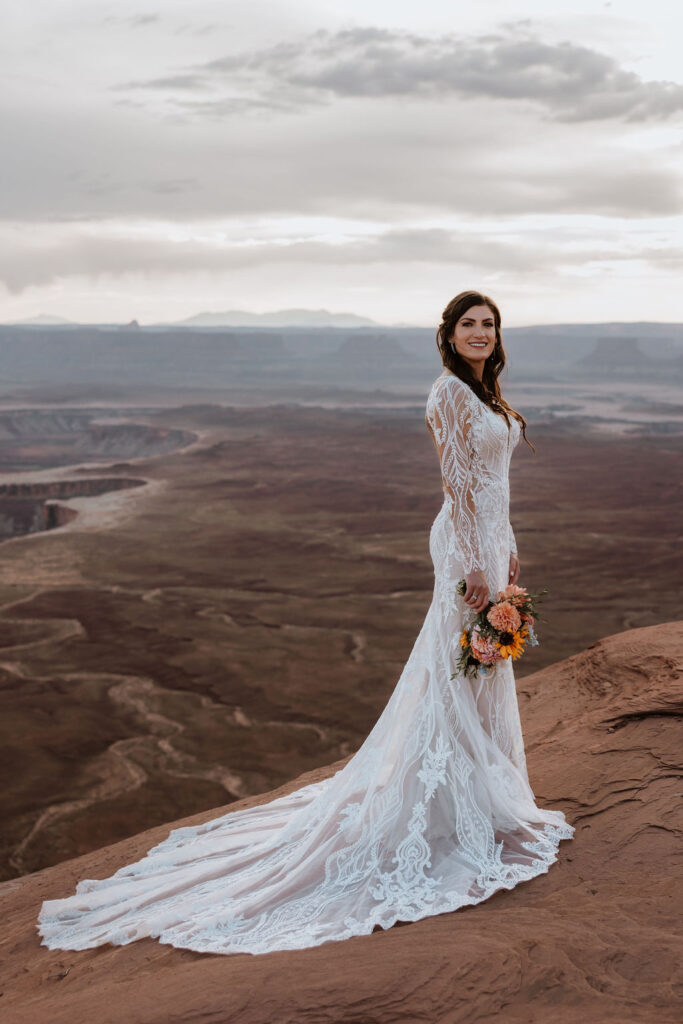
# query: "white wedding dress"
[[432, 813]]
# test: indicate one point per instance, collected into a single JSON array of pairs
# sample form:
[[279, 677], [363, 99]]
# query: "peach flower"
[[505, 617], [484, 649]]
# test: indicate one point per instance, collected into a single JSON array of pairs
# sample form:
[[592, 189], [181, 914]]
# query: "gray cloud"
[[570, 82], [339, 162], [197, 30], [132, 21], [24, 265], [183, 80], [399, 161]]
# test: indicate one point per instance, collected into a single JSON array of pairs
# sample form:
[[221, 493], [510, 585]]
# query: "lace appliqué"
[[408, 888]]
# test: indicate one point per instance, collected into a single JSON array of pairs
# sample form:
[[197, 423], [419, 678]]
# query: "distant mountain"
[[42, 320], [630, 328], [618, 352], [279, 318], [576, 347]]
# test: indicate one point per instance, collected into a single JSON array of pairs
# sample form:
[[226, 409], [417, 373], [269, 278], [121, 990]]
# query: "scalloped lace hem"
[[552, 836]]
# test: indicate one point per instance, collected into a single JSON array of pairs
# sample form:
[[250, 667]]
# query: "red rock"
[[596, 939]]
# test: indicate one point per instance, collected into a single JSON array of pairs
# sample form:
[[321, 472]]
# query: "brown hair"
[[488, 388]]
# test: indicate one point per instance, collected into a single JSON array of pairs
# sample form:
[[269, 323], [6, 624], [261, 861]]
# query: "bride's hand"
[[477, 593], [513, 574]]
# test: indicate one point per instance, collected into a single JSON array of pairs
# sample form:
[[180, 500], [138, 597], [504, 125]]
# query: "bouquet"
[[501, 631]]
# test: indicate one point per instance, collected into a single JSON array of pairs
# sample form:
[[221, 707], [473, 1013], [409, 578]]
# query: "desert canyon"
[[208, 592]]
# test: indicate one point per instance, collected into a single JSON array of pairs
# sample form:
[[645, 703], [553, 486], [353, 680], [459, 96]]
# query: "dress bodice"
[[494, 440]]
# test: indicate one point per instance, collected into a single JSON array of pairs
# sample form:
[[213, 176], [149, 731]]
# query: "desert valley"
[[214, 567]]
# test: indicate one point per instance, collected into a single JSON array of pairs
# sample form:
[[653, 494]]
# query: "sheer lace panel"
[[450, 417]]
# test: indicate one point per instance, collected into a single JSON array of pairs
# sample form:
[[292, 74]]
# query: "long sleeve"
[[513, 544], [450, 418]]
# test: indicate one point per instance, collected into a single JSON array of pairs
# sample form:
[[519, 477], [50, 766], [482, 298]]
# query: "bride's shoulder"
[[450, 398], [450, 380], [450, 384]]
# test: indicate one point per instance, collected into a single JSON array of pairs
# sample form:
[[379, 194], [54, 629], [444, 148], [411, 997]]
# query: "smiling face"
[[474, 337]]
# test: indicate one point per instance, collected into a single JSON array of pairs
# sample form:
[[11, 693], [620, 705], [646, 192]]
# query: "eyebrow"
[[472, 318]]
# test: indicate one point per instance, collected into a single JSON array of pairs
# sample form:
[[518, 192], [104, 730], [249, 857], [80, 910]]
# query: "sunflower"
[[513, 644]]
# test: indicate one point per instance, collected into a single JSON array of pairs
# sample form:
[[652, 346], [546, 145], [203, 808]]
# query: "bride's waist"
[[492, 509]]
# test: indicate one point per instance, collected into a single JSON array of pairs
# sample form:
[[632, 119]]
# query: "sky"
[[375, 157]]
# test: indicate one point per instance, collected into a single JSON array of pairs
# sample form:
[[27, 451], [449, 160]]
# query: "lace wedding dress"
[[432, 813]]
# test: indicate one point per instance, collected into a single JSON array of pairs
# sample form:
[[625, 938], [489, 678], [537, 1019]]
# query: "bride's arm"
[[451, 419], [513, 569]]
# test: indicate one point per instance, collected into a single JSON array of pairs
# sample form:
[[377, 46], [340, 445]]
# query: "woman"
[[435, 810]]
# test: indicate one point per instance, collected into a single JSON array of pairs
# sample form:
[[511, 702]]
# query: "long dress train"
[[433, 812]]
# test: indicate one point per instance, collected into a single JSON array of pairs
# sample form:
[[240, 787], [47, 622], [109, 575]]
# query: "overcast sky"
[[372, 157]]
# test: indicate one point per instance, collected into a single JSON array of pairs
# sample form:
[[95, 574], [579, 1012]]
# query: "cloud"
[[27, 263], [183, 80], [395, 165], [199, 143], [132, 21], [569, 82]]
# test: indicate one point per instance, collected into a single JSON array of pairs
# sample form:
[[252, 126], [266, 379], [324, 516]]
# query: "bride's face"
[[475, 336]]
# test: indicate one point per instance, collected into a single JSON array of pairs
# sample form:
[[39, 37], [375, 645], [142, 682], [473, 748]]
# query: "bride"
[[435, 810]]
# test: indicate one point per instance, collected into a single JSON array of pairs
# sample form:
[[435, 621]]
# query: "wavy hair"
[[488, 388]]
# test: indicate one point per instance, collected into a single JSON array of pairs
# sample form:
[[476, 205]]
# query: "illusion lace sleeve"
[[452, 416], [513, 544]]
